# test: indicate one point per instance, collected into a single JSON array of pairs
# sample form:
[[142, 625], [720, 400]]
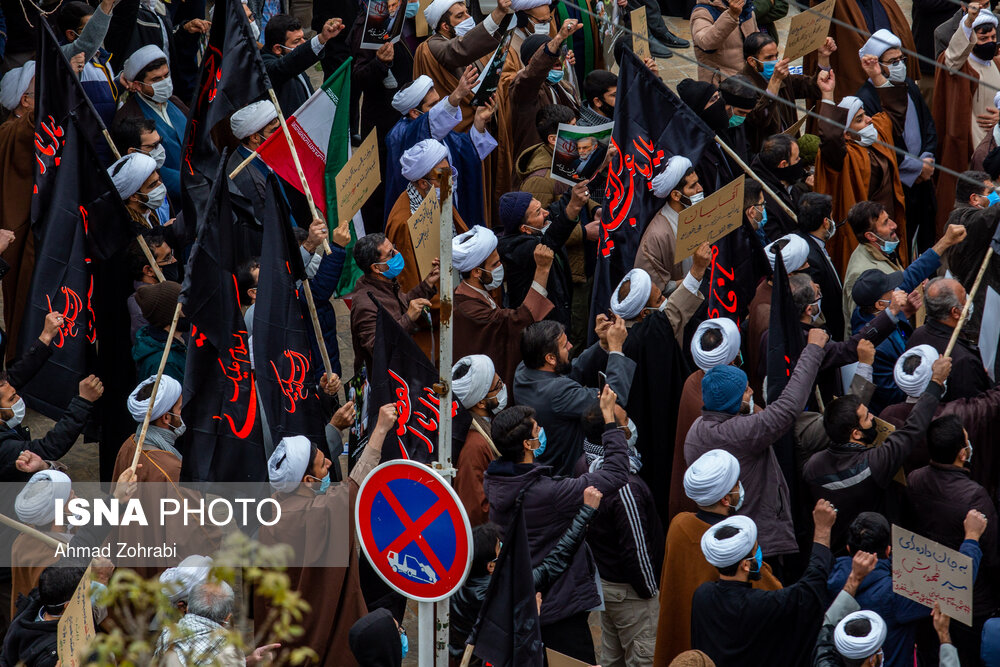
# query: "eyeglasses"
[[895, 61]]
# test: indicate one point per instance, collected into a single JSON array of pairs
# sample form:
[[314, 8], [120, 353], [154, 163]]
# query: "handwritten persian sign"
[[358, 179], [710, 219], [640, 34], [76, 626], [927, 572], [425, 233], [809, 30]]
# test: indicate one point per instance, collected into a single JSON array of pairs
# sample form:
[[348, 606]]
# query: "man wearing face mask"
[[252, 125], [146, 76], [483, 394], [712, 483], [143, 273], [139, 135], [481, 325], [160, 458], [779, 165], [287, 54], [96, 78], [817, 227], [917, 135], [141, 188]]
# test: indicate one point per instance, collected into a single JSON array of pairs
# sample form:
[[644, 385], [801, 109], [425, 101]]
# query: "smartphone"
[[602, 380]]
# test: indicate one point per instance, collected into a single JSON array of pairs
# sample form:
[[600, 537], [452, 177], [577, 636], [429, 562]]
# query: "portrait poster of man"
[[383, 24], [580, 151]]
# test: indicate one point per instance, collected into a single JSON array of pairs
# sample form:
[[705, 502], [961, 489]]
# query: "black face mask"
[[791, 173], [716, 116], [171, 271], [985, 51], [868, 435]]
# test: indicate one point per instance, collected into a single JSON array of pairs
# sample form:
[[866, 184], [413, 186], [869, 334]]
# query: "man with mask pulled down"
[[712, 484], [160, 458], [481, 325]]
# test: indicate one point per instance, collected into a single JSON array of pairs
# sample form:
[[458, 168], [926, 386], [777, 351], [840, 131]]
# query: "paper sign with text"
[[640, 36], [425, 233], [809, 30], [710, 219], [883, 430], [927, 572], [76, 626], [358, 179]]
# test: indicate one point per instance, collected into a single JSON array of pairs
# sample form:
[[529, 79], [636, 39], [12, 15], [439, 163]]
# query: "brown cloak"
[[24, 577], [157, 465], [477, 454], [17, 177]]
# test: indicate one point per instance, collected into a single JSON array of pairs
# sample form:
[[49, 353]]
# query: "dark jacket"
[[324, 285], [825, 275], [364, 312], [964, 259], [928, 133], [855, 478], [51, 447], [29, 641], [148, 348], [549, 507], [284, 71], [771, 116], [968, 378], [375, 641], [778, 222]]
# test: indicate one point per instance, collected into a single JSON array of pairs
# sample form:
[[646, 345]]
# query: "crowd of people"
[[714, 480]]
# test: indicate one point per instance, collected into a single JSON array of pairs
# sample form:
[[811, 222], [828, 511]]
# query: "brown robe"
[[688, 410], [334, 593], [684, 570], [157, 465], [984, 148], [17, 177], [852, 181], [27, 549], [844, 61], [496, 332], [477, 454], [758, 321]]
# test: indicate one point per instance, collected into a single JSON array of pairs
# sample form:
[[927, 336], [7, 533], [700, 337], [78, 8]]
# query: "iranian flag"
[[320, 130]]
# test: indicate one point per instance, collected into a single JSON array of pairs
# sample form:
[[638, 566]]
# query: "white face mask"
[[749, 406], [465, 26], [156, 197], [739, 503], [542, 29], [897, 72], [159, 154], [867, 135], [19, 409], [634, 434], [255, 29], [178, 430], [969, 457], [819, 309], [496, 278], [162, 90], [501, 400]]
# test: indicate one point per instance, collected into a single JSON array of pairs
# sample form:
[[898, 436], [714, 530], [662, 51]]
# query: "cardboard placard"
[[420, 22], [808, 30], [425, 233], [557, 659], [640, 37], [76, 626], [883, 430], [797, 125], [358, 179], [710, 219], [580, 151], [927, 572]]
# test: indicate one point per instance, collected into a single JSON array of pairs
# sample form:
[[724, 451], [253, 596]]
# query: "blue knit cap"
[[512, 208], [722, 389]]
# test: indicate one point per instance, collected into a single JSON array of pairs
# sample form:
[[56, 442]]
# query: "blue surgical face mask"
[[768, 70], [405, 642], [993, 198], [395, 266], [541, 443], [555, 76], [759, 559], [324, 484], [411, 9], [736, 121], [888, 247]]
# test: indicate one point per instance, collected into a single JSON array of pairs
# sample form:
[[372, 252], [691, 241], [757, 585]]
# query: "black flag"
[[232, 76], [507, 632], [220, 401], [281, 345], [651, 126], [785, 341], [738, 264], [402, 374]]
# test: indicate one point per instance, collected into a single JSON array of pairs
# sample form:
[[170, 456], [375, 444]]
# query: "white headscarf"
[[711, 477], [36, 503], [419, 160], [725, 352], [470, 249], [985, 16], [640, 287], [436, 10], [880, 42], [179, 582], [857, 648], [166, 397], [853, 106], [15, 84], [252, 118], [666, 181], [914, 384], [140, 58], [289, 463], [128, 173], [723, 553], [795, 253], [474, 385], [412, 95]]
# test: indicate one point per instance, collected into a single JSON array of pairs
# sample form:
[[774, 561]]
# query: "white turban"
[[711, 477], [140, 59], [470, 249], [252, 118], [880, 42], [419, 160], [996, 100], [474, 385], [130, 172], [985, 16], [794, 254], [412, 95], [853, 106], [36, 503], [436, 10], [523, 5], [666, 181], [289, 463], [15, 84], [722, 355], [166, 397], [179, 582], [914, 384], [857, 648], [640, 287], [723, 553]]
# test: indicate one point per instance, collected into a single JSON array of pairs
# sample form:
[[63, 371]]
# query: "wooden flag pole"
[[467, 656], [298, 165], [156, 387], [968, 302], [30, 530], [743, 165], [242, 165]]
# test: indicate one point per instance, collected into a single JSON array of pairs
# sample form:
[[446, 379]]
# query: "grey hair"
[[213, 600], [943, 300], [803, 294]]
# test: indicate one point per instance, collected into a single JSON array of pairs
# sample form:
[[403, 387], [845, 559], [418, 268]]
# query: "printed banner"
[[580, 151]]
